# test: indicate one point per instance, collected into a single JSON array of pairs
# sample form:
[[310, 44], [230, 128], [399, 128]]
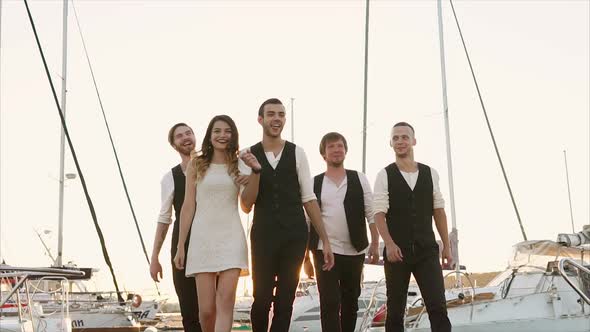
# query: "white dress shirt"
[[334, 215], [167, 198], [301, 164], [381, 194]]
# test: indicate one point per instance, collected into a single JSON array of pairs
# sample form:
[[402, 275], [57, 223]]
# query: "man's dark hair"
[[271, 101], [405, 124], [171, 131], [331, 137]]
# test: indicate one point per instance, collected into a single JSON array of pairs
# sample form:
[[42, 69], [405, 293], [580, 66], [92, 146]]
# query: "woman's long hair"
[[202, 160]]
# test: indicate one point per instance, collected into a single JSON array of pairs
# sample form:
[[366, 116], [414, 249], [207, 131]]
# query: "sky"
[[162, 62]]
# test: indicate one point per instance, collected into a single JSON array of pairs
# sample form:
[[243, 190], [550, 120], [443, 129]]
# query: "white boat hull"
[[568, 324], [541, 312], [12, 324], [97, 319]]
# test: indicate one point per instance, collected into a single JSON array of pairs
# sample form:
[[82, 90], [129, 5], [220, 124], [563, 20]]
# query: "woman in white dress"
[[217, 251]]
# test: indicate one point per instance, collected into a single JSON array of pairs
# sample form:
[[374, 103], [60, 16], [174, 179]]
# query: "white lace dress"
[[217, 239]]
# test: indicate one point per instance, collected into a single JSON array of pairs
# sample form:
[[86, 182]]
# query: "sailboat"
[[545, 287], [90, 308], [85, 309]]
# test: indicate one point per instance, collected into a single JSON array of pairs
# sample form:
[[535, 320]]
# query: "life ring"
[[136, 301]]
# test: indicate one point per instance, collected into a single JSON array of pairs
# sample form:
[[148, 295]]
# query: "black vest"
[[278, 204], [179, 187], [409, 218], [354, 208]]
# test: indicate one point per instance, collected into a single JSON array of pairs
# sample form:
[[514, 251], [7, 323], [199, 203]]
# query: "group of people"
[[295, 213]]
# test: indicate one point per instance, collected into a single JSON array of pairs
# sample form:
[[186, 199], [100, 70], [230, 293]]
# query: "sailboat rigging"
[[74, 156]]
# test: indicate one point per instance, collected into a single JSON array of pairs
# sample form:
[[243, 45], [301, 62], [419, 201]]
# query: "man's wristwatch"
[[256, 171]]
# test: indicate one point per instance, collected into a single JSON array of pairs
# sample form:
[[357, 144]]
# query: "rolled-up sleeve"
[[381, 193], [368, 198], [167, 197], [304, 175], [439, 201]]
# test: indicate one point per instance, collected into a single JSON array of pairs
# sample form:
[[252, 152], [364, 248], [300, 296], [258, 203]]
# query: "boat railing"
[[60, 296], [19, 279], [582, 269], [371, 307], [23, 275], [461, 295]]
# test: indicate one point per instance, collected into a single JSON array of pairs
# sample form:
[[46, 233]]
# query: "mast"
[[365, 86], [58, 260], [448, 135]]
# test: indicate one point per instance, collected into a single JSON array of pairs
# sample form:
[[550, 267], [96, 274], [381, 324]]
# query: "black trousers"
[[186, 290], [424, 263], [276, 262], [339, 291]]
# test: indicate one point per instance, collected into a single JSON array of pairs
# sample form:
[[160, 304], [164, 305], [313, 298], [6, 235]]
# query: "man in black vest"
[[182, 139], [407, 197], [346, 202], [279, 187]]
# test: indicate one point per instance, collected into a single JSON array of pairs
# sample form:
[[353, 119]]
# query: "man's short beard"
[[184, 151]]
